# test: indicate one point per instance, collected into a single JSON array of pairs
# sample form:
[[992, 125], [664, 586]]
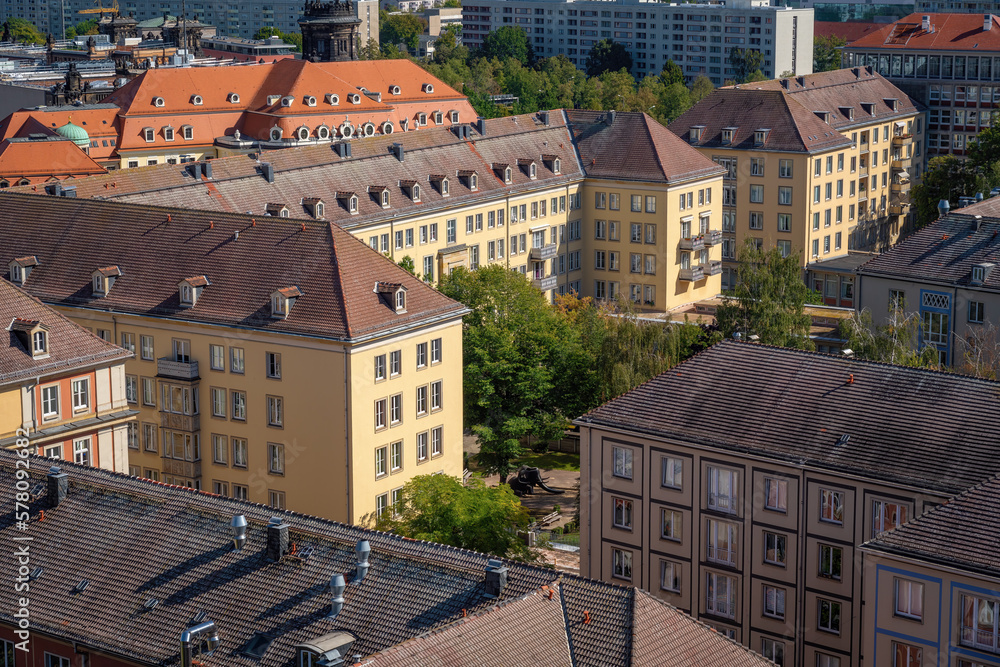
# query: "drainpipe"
[[192, 638]]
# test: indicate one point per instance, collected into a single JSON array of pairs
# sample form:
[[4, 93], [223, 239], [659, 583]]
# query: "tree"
[[88, 27], [984, 150], [22, 30], [400, 29], [701, 88], [608, 56], [893, 342], [293, 38], [369, 51], [407, 265], [452, 3], [981, 351], [515, 346], [826, 52], [948, 177], [437, 508], [768, 300], [671, 73], [744, 63], [508, 42]]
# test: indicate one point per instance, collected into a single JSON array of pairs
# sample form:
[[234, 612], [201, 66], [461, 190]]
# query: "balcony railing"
[[902, 139], [722, 503], [901, 163], [181, 370], [719, 555], [694, 273], [543, 253], [713, 268], [864, 147], [982, 639], [899, 187], [713, 237], [900, 198], [692, 243], [898, 209], [862, 171], [189, 469], [177, 422], [546, 284]]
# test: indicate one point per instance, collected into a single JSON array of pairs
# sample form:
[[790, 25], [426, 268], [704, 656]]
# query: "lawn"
[[550, 461]]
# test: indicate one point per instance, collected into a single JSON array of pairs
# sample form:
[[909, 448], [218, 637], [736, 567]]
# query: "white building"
[[698, 37]]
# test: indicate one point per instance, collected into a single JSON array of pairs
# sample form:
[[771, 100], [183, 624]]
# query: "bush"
[[555, 508], [557, 530]]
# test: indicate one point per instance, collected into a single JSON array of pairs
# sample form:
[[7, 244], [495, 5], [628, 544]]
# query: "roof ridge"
[[565, 613], [656, 152], [339, 278]]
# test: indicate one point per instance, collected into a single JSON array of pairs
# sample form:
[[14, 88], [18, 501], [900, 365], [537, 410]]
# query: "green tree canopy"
[[22, 30], [745, 62], [769, 299], [949, 177], [701, 88], [400, 29], [671, 73], [293, 38], [826, 52], [508, 42], [88, 27], [608, 56], [894, 341], [437, 508]]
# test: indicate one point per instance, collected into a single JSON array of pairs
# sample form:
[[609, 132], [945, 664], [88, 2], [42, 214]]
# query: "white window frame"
[[774, 602], [908, 598], [672, 472], [722, 489], [622, 513], [622, 461]]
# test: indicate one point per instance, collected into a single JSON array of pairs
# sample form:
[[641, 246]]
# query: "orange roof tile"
[[949, 32], [39, 160]]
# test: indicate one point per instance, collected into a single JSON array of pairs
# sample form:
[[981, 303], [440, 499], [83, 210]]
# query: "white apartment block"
[[698, 37]]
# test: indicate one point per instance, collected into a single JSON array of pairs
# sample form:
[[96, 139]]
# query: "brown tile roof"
[[946, 250], [846, 30], [885, 409], [961, 533], [244, 258], [70, 345], [633, 146], [793, 127], [950, 32], [833, 92], [135, 541]]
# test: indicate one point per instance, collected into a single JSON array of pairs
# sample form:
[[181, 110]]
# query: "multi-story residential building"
[[698, 37], [277, 361], [816, 165], [187, 578], [62, 388], [172, 115], [944, 274], [588, 202], [948, 62], [748, 514], [933, 594], [957, 6]]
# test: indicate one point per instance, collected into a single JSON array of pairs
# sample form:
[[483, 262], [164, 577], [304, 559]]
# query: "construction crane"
[[101, 9]]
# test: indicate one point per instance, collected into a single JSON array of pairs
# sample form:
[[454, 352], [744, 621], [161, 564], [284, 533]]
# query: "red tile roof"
[[949, 32], [846, 30], [42, 160], [99, 120]]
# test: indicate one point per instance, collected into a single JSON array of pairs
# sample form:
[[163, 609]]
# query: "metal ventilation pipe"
[[337, 588], [239, 526], [193, 637], [362, 550]]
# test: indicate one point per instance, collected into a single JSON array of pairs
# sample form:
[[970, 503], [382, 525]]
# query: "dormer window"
[[427, 88], [470, 178], [309, 100], [394, 90], [392, 295], [503, 171], [277, 210], [847, 111], [385, 198], [190, 289], [149, 134], [39, 343], [354, 98], [346, 130], [168, 133], [233, 98], [349, 200], [980, 272], [694, 134], [332, 100], [421, 119], [368, 129], [529, 167], [323, 132], [553, 163], [302, 133], [103, 279], [438, 118], [387, 127], [159, 102], [440, 181], [273, 99], [727, 135], [380, 194], [287, 101], [760, 136], [868, 108], [282, 301], [32, 334], [314, 206], [196, 100], [187, 132], [276, 133], [453, 116], [20, 268]]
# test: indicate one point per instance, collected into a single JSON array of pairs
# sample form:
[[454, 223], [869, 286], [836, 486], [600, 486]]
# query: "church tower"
[[329, 31]]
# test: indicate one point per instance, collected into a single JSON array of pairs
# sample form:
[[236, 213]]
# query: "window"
[[381, 454], [670, 576], [720, 595], [220, 488], [650, 233], [773, 649], [436, 351], [784, 168], [437, 441], [149, 440], [379, 367], [824, 660], [636, 230], [831, 506], [39, 343], [756, 166], [436, 398], [421, 447], [722, 489], [774, 602], [621, 564], [239, 400], [81, 451], [721, 542], [133, 435], [395, 409], [830, 561], [775, 494], [623, 513], [50, 402], [886, 516], [217, 357], [613, 201], [239, 454], [600, 200], [276, 499], [774, 549], [381, 407], [396, 456], [81, 395], [395, 363], [756, 220], [275, 411], [421, 401], [236, 360], [672, 472], [220, 449], [421, 355], [976, 312], [218, 402], [622, 462], [53, 661], [651, 204], [905, 655], [829, 616], [146, 348], [273, 361], [756, 194], [785, 196], [979, 623], [909, 597], [670, 525]]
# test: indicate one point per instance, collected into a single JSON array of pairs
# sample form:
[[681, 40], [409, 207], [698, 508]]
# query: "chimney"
[[267, 169], [609, 117], [57, 189], [194, 169], [362, 550], [925, 23], [239, 526], [337, 588], [784, 84], [987, 21], [58, 486], [69, 191], [544, 116], [277, 538], [397, 150], [343, 149], [206, 168], [481, 126], [496, 578]]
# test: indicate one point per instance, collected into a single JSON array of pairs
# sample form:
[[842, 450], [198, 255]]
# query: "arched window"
[[275, 134]]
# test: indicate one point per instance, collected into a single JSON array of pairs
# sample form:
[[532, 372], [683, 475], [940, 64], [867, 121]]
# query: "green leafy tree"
[[452, 3], [22, 30], [608, 56], [756, 76], [407, 265], [508, 42], [369, 51], [437, 508], [671, 73], [515, 346], [949, 177], [893, 342], [744, 63], [768, 300], [88, 27], [826, 52], [400, 29], [984, 150], [292, 38], [701, 88]]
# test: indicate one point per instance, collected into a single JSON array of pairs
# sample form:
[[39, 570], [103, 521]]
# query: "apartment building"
[[956, 6], [816, 165], [277, 361], [62, 388], [748, 514], [589, 202], [698, 37], [947, 62], [944, 274], [933, 597], [176, 115]]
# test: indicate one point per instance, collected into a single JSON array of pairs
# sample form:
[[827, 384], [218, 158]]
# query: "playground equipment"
[[527, 479]]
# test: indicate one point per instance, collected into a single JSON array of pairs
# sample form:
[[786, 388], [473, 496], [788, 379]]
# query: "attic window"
[[257, 646], [427, 88], [354, 98], [314, 206], [309, 100], [20, 269], [869, 108], [302, 133], [276, 210], [346, 130], [387, 127], [438, 118], [394, 90], [187, 132], [823, 116], [332, 100], [323, 132], [287, 101], [282, 301], [350, 200], [103, 279], [412, 189], [233, 98], [368, 129], [421, 119], [392, 294], [694, 134], [848, 111], [196, 100], [39, 343], [727, 135], [190, 289], [453, 116], [159, 102], [470, 178], [385, 199], [980, 272], [148, 134], [553, 163], [760, 136], [168, 133], [442, 184], [276, 133], [892, 103]]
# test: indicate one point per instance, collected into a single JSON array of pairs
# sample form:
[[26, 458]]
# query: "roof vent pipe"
[[239, 526], [362, 550], [58, 486], [195, 637], [337, 588], [943, 208], [277, 538]]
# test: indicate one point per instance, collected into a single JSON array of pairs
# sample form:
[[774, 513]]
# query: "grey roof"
[[135, 541], [930, 429], [843, 264]]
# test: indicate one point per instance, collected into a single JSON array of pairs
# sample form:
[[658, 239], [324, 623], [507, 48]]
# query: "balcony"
[[178, 422], [902, 139], [863, 171], [864, 147], [898, 209], [901, 164], [188, 469], [546, 284], [863, 195], [899, 199], [543, 253], [713, 237], [899, 187], [693, 243], [693, 274], [180, 370], [713, 268]]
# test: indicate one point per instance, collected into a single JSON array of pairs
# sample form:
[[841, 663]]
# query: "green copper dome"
[[74, 133]]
